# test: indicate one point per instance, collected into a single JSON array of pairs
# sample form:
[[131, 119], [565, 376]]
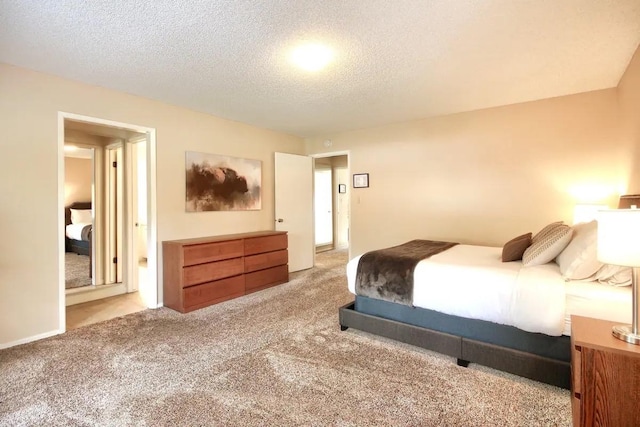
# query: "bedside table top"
[[596, 333]]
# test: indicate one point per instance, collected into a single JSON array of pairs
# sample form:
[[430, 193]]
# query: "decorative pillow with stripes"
[[546, 230], [547, 247]]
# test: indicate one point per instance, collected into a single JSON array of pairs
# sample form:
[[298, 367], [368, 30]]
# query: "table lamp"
[[619, 244]]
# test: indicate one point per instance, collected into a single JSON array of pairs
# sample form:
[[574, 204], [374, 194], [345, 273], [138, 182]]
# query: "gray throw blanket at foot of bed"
[[387, 274], [86, 231]]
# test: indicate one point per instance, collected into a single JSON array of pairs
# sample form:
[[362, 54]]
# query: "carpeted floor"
[[273, 358], [76, 271]]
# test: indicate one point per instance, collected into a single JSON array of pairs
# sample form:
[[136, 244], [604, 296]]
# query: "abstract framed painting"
[[222, 183]]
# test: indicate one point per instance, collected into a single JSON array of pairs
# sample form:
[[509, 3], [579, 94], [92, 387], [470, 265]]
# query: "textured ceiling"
[[395, 60]]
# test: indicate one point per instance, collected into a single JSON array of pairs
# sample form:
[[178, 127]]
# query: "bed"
[[469, 304], [79, 229]]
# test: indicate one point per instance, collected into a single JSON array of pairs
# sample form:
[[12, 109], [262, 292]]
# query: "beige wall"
[[77, 180], [340, 166], [629, 95], [485, 176], [29, 108]]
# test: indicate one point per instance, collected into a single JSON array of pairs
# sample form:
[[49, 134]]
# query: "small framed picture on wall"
[[360, 180], [342, 188]]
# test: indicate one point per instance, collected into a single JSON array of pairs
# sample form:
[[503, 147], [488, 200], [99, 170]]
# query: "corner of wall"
[[633, 67], [628, 92]]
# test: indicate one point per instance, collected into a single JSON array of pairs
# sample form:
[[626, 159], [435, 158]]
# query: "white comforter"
[[473, 282], [74, 231]]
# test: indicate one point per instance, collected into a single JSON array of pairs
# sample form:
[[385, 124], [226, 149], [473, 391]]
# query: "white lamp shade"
[[619, 237]]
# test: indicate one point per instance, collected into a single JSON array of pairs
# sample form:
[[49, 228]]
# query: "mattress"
[[472, 282], [593, 299]]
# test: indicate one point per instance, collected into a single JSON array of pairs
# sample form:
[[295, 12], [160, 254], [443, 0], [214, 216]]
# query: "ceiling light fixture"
[[69, 148], [312, 56]]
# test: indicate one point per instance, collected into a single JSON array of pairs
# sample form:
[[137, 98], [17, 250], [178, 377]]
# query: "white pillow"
[[614, 275], [547, 247], [579, 260], [81, 216]]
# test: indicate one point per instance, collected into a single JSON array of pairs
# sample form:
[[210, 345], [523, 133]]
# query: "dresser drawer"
[[262, 261], [265, 278], [208, 293], [202, 273], [257, 245], [216, 251]]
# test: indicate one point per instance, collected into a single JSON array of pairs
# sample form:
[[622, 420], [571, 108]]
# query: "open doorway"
[[331, 202], [115, 203], [323, 206]]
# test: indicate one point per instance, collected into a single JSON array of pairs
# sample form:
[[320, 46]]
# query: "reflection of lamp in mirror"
[[619, 244], [586, 212]]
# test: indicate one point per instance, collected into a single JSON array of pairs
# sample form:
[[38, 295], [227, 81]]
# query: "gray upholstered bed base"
[[535, 356]]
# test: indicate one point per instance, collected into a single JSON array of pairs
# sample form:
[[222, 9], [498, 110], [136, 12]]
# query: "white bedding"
[[74, 231], [593, 299], [473, 282]]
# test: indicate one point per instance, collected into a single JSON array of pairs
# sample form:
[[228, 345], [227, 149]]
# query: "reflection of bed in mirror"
[[78, 229], [467, 303]]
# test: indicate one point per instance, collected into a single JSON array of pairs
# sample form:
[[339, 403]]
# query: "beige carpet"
[[76, 272], [273, 358]]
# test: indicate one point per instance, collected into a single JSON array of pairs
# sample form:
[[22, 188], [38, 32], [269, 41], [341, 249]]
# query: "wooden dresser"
[[204, 271], [605, 375]]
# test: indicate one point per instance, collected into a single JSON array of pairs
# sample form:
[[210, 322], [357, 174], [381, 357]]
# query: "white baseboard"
[[29, 339]]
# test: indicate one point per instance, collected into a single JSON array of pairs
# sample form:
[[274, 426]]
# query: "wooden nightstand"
[[605, 375]]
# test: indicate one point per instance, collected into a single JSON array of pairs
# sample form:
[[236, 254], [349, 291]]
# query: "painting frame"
[[216, 182], [360, 180]]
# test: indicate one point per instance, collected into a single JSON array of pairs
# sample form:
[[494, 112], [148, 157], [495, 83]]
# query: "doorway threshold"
[[324, 248], [93, 292]]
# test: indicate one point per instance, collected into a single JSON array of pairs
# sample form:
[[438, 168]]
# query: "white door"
[[294, 207], [323, 206]]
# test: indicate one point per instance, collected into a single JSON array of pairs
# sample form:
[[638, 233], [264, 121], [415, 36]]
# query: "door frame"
[[133, 166], [335, 154], [316, 206], [114, 234], [152, 232]]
